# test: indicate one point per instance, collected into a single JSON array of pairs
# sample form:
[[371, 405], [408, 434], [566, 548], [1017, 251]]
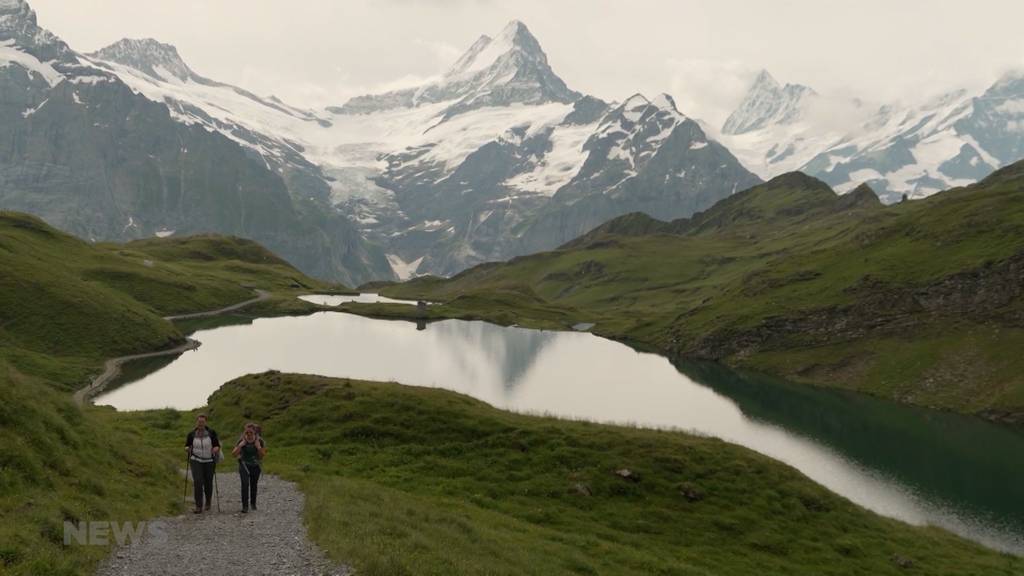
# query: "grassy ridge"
[[50, 307], [406, 480], [916, 301], [61, 463], [65, 306]]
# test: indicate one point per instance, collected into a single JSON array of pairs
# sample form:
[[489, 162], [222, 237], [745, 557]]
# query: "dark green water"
[[961, 461]]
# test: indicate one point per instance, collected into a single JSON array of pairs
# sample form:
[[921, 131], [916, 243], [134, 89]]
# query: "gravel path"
[[271, 541], [112, 367], [261, 295]]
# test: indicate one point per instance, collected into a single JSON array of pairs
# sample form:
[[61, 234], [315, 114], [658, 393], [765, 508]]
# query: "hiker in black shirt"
[[249, 450], [203, 449]]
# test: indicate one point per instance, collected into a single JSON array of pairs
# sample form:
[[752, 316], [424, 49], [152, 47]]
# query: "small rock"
[[902, 561], [583, 489], [691, 492], [627, 474]]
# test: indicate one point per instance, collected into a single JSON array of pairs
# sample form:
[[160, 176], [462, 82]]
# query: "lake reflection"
[[364, 298], [887, 457]]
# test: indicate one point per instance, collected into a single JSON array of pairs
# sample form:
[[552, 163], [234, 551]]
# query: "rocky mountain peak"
[[147, 56], [665, 102], [766, 103], [486, 52], [18, 24], [515, 29], [513, 56], [1009, 84], [638, 108], [517, 36], [635, 101], [469, 56], [764, 81], [17, 8], [16, 14], [510, 68]]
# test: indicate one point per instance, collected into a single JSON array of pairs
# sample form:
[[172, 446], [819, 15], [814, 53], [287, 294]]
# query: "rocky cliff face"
[[107, 164], [19, 26], [644, 157], [541, 184], [148, 56]]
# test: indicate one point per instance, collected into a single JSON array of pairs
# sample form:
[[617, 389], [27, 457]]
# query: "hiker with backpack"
[[203, 449], [250, 450]]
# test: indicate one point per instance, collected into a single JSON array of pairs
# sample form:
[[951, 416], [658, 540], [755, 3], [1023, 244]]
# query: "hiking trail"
[[269, 542], [112, 367], [261, 295]]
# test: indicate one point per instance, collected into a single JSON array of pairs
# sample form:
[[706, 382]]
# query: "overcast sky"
[[703, 52]]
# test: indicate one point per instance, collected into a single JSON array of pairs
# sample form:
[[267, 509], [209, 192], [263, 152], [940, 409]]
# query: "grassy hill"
[[65, 306], [408, 480], [919, 301], [61, 462]]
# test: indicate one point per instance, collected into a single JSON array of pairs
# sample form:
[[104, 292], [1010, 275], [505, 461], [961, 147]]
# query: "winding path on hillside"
[[271, 541], [112, 367], [261, 295]]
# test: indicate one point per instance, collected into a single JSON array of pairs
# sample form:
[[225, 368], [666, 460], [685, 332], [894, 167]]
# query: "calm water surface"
[[917, 465]]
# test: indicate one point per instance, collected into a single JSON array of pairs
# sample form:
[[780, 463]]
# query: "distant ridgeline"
[[496, 158], [951, 140], [919, 301]]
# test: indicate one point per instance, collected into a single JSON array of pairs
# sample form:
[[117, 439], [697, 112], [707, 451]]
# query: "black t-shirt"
[[249, 453]]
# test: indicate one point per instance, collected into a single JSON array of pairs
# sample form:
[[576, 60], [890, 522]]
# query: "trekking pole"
[[216, 488], [184, 496]]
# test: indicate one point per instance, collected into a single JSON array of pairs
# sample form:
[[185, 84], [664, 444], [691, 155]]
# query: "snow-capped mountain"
[[644, 156], [996, 122], [902, 150], [157, 60], [156, 71], [951, 140], [18, 26], [499, 158], [768, 103], [777, 129], [89, 145], [508, 69], [495, 158]]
